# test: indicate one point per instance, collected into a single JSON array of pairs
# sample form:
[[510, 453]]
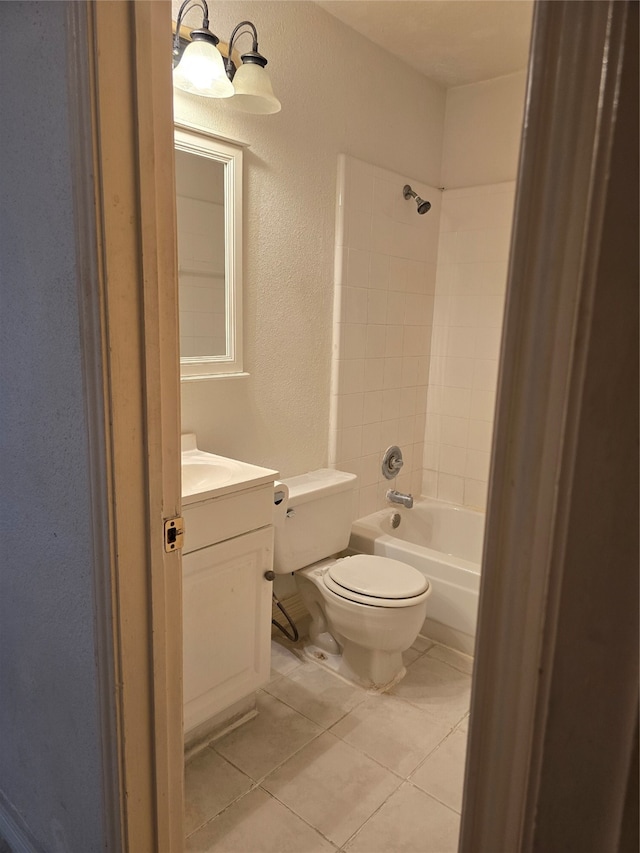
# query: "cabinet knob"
[[269, 576]]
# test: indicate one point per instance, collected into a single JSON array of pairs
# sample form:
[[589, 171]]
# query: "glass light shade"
[[254, 93], [201, 71]]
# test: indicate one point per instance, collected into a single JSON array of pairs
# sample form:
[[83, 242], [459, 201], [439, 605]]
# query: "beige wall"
[[340, 94], [482, 128]]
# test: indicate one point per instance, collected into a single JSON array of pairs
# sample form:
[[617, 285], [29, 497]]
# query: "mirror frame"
[[198, 141]]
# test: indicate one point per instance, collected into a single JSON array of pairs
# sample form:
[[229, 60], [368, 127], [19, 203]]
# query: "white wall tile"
[[414, 339], [457, 372], [350, 407], [477, 465], [357, 273], [390, 403], [370, 469], [351, 340], [376, 341], [485, 374], [377, 307], [482, 404], [351, 376], [423, 366], [360, 182], [406, 430], [475, 493], [379, 271], [450, 489], [460, 342], [454, 431], [368, 500], [430, 483], [407, 402], [431, 456], [421, 399], [398, 274], [453, 460], [381, 234], [456, 402], [373, 374], [480, 434], [359, 229], [349, 443], [354, 303], [409, 371], [392, 372], [388, 433], [394, 346], [396, 308], [487, 342], [371, 441], [470, 282], [372, 407]]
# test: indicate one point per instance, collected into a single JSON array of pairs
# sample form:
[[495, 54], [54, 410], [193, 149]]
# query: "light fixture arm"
[[252, 56], [203, 32]]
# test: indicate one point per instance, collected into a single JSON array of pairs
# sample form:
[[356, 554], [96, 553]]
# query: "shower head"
[[423, 206]]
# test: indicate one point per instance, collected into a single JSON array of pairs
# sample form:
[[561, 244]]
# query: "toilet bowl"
[[365, 610]]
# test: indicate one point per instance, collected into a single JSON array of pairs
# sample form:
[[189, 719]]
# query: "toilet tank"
[[316, 522]]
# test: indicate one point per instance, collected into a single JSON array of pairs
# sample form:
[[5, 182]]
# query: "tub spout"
[[399, 498]]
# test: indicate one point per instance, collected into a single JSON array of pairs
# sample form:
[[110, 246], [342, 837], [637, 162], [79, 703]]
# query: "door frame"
[[132, 129], [547, 332], [563, 460]]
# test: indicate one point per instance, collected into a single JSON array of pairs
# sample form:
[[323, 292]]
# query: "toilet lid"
[[378, 577]]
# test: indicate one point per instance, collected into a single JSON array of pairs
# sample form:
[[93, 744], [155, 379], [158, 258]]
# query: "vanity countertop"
[[206, 475]]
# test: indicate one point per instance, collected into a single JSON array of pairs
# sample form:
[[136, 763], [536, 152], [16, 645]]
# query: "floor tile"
[[332, 786], [410, 655], [317, 693], [284, 659], [442, 774], [257, 824], [442, 691], [456, 659], [210, 784], [409, 822], [463, 725], [269, 739], [392, 732]]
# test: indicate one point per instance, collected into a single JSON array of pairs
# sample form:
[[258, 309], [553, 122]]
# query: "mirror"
[[209, 226]]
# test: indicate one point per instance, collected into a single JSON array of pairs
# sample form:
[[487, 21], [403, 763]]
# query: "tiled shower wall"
[[475, 231], [385, 277]]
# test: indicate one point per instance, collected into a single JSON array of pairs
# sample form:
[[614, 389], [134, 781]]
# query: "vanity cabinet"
[[226, 600]]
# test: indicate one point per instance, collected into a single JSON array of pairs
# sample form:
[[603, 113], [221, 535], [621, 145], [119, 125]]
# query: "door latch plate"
[[173, 534]]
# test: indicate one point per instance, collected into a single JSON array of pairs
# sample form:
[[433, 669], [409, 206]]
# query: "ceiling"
[[451, 41]]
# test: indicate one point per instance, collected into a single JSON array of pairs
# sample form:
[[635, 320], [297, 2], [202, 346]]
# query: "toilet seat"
[[377, 581]]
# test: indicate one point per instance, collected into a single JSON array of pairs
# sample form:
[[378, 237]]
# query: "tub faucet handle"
[[392, 462]]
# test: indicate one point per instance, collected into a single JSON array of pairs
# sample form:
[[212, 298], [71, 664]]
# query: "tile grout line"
[[328, 729]]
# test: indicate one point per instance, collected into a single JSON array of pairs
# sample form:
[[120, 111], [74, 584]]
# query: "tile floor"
[[328, 766]]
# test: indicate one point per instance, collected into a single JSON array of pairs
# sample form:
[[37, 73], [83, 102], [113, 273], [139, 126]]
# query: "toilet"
[[365, 610]]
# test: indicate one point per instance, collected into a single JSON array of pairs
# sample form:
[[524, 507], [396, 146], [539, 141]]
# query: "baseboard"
[[221, 724], [447, 636]]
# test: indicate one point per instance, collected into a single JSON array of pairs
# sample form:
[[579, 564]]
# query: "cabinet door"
[[226, 623]]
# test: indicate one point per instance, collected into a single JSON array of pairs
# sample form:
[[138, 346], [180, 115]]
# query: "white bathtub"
[[442, 541]]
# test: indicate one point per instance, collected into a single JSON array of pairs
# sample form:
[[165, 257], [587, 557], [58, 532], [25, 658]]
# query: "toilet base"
[[377, 679]]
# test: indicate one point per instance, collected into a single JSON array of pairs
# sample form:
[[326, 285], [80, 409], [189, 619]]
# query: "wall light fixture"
[[200, 68]]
